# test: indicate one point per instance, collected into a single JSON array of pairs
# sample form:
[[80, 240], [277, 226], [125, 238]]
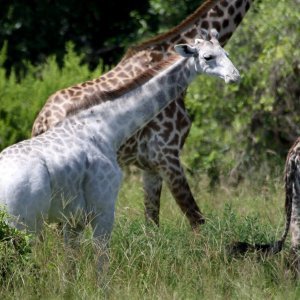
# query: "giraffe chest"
[[166, 132]]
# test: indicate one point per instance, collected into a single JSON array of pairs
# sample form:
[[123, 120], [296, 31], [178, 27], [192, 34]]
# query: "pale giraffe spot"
[[110, 74], [57, 99]]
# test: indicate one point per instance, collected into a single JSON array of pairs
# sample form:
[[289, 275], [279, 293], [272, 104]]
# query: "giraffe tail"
[[292, 178]]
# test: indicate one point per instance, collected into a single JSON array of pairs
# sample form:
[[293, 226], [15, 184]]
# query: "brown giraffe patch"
[[128, 68], [205, 25], [105, 85], [231, 10], [216, 25], [224, 3], [217, 12], [238, 18], [123, 75], [247, 6], [175, 139], [110, 74], [89, 90], [191, 33], [174, 40], [225, 23], [156, 56], [238, 3]]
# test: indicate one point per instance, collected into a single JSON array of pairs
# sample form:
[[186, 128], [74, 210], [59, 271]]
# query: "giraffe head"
[[210, 58]]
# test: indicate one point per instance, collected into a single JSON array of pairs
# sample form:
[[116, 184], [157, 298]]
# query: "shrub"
[[14, 247], [23, 97]]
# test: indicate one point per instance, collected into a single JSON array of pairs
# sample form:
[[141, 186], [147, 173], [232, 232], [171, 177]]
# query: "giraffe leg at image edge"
[[295, 229]]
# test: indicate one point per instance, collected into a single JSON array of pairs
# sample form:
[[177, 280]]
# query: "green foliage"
[[21, 99], [14, 248], [170, 262], [170, 13], [37, 31], [252, 124]]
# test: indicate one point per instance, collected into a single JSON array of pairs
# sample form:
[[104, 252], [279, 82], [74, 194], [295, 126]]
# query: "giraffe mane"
[[135, 82], [200, 11]]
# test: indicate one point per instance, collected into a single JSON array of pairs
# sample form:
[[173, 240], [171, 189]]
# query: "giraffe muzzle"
[[235, 77]]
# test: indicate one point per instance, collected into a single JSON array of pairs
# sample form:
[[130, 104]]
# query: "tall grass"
[[170, 262]]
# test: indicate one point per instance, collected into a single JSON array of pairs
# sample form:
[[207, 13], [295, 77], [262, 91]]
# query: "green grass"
[[170, 262]]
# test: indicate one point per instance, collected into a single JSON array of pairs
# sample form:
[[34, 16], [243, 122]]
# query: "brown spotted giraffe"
[[155, 148], [70, 173]]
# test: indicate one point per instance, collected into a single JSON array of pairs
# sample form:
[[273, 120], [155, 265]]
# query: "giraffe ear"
[[185, 50]]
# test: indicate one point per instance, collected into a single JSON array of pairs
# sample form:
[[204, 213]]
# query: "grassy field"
[[172, 262], [169, 262]]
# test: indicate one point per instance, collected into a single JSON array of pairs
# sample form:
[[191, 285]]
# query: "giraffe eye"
[[208, 57]]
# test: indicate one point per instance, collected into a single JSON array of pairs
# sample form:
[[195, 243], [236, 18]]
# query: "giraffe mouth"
[[235, 78]]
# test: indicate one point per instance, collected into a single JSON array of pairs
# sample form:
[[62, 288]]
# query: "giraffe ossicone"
[[71, 170]]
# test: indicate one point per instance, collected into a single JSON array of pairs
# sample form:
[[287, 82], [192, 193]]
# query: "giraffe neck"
[[222, 15], [117, 120]]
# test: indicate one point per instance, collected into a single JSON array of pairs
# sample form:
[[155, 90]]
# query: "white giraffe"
[[71, 171]]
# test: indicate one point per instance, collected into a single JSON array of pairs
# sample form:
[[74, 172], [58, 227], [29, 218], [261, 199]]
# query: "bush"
[[14, 247], [22, 98]]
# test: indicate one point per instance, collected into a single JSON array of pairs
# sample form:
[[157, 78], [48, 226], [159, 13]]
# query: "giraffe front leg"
[[102, 225], [102, 184], [173, 173], [295, 228], [152, 191]]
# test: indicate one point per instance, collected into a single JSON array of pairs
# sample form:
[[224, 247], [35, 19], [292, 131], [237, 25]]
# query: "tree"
[[35, 29]]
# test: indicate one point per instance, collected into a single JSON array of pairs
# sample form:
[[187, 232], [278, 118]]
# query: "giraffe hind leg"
[[173, 173], [152, 192], [169, 169]]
